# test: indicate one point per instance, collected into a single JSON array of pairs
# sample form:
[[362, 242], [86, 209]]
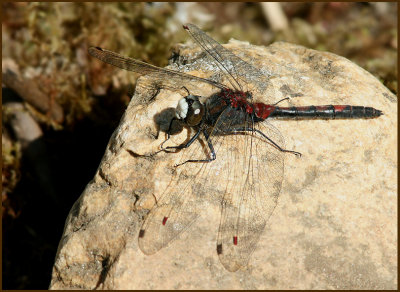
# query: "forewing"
[[173, 79], [254, 179], [241, 74]]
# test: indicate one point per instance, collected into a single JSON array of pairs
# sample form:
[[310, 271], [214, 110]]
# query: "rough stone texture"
[[335, 226]]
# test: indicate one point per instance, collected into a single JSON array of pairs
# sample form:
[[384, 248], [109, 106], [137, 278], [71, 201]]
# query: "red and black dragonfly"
[[239, 147]]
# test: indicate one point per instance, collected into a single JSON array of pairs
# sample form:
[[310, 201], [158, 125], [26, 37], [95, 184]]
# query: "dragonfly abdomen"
[[326, 112]]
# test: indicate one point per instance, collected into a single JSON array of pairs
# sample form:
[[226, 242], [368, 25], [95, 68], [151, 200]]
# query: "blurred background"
[[60, 106]]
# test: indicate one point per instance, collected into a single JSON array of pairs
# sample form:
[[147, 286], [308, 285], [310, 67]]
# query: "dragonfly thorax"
[[190, 110]]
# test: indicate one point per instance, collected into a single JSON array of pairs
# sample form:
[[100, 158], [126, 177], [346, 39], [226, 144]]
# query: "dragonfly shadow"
[[163, 122], [166, 123]]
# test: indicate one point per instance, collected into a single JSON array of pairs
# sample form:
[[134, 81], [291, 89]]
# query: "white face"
[[181, 109]]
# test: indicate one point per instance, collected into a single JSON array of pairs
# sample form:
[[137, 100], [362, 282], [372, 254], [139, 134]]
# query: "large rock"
[[335, 225]]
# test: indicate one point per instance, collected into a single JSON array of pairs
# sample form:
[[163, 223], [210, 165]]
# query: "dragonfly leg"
[[187, 90], [166, 149], [210, 146], [157, 91], [286, 98], [168, 136], [184, 145], [269, 139], [298, 154], [162, 148]]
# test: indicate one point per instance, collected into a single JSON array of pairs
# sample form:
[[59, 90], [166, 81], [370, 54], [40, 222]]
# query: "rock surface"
[[335, 225]]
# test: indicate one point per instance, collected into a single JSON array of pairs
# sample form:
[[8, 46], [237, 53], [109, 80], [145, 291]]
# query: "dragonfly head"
[[190, 110]]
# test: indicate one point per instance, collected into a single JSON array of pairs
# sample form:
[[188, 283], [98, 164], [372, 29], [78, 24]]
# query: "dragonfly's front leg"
[[210, 146]]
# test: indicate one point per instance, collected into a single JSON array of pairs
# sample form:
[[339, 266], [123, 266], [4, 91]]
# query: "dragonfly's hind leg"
[[277, 146], [269, 139]]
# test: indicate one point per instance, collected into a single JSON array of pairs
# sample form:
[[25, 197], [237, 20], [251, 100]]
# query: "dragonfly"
[[239, 163]]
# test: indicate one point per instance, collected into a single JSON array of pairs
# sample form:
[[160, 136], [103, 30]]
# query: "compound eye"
[[195, 114]]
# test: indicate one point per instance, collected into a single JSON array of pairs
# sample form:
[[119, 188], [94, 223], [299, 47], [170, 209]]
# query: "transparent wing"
[[239, 72], [245, 179], [176, 210], [171, 77], [254, 179]]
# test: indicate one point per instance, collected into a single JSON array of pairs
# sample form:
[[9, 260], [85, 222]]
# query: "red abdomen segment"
[[326, 112]]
